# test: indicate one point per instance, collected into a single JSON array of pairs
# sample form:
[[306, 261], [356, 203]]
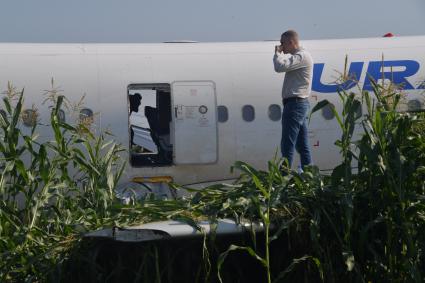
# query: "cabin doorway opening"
[[149, 120]]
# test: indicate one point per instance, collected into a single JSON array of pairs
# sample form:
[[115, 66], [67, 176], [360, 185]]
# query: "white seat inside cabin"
[[142, 137]]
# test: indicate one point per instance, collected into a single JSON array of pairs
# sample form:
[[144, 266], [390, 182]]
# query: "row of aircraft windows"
[[30, 116], [248, 113], [275, 112]]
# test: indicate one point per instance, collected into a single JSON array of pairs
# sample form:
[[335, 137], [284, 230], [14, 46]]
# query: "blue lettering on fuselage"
[[375, 71], [354, 74]]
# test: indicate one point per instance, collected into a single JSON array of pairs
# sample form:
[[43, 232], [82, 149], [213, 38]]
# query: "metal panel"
[[194, 122]]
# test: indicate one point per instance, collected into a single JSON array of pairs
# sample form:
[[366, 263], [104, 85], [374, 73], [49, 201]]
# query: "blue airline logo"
[[374, 70]]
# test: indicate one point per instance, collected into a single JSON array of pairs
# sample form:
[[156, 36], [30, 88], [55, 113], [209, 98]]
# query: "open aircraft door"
[[194, 122]]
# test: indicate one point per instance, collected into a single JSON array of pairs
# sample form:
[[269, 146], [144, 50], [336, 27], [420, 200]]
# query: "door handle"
[[178, 112]]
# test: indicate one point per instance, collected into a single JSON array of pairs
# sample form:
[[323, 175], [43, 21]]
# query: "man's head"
[[135, 101], [289, 41]]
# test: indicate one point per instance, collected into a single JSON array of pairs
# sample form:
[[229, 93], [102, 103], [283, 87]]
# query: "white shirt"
[[299, 73]]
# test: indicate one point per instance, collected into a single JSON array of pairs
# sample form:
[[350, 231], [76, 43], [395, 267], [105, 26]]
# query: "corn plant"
[[363, 225], [383, 202], [50, 191]]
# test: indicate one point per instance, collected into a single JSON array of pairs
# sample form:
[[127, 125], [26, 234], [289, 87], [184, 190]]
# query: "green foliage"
[[361, 225], [365, 225], [50, 191], [374, 219]]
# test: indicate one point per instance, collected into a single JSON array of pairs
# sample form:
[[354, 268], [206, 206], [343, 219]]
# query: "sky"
[[85, 21]]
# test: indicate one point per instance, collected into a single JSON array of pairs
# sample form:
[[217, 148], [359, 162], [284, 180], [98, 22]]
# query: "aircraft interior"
[[149, 125]]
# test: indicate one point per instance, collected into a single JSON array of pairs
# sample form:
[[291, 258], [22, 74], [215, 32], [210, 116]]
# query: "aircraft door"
[[194, 122]]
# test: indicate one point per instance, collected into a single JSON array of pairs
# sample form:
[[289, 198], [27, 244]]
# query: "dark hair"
[[134, 102], [289, 34]]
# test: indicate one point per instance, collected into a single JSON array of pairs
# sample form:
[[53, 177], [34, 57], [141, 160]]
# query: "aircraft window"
[[248, 113], [223, 113], [149, 117], [327, 112], [3, 113], [61, 116], [86, 113], [30, 117], [359, 111], [414, 105], [275, 112], [86, 116]]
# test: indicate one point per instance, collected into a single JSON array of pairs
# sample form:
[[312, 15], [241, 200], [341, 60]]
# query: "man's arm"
[[284, 63]]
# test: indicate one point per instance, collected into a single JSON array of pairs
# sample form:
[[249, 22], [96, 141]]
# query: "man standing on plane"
[[297, 63]]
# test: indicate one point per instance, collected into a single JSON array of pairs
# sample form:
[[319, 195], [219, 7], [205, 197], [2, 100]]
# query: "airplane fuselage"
[[225, 98]]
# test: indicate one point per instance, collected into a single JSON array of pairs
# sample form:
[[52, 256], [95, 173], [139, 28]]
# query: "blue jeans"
[[294, 131]]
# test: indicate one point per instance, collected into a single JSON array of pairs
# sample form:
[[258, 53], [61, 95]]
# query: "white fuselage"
[[242, 74]]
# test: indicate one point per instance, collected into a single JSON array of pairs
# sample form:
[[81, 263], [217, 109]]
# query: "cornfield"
[[363, 225]]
